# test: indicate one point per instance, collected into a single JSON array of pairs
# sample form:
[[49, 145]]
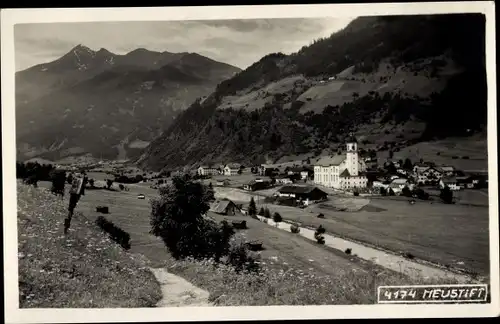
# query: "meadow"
[[83, 269], [454, 236]]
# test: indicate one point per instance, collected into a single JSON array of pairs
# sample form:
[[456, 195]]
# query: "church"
[[343, 171]]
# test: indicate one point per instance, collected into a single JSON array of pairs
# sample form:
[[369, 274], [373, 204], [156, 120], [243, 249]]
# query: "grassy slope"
[[84, 269]]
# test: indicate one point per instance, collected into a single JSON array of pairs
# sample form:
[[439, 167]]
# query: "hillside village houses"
[[342, 171], [232, 169], [206, 170]]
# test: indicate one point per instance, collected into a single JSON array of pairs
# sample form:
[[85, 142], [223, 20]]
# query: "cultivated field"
[[455, 236]]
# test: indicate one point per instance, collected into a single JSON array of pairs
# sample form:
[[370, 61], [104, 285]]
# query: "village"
[[347, 174]]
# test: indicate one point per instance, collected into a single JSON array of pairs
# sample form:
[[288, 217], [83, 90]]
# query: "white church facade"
[[342, 171]]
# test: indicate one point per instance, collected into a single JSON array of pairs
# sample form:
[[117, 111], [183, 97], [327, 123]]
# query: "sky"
[[236, 42]]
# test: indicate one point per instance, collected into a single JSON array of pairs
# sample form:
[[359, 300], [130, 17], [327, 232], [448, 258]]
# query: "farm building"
[[223, 207], [257, 184], [305, 194], [450, 182]]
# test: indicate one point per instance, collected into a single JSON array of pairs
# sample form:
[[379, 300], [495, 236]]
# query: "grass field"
[[83, 269], [293, 270], [451, 235]]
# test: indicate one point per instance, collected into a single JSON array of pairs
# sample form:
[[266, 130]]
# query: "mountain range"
[[393, 81], [107, 105]]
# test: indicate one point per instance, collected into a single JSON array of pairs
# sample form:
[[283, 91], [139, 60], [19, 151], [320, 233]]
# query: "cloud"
[[237, 42]]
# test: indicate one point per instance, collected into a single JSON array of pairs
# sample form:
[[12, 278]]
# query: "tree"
[[91, 183], [109, 183], [210, 186], [407, 165], [70, 178], [406, 192], [267, 213], [252, 208], [122, 187], [446, 195], [391, 192], [177, 218], [277, 218], [383, 191], [262, 212]]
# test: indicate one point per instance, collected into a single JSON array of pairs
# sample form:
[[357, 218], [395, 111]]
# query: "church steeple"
[[351, 143]]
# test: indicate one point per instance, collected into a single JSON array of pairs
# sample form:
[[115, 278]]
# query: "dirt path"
[[179, 292], [389, 261]]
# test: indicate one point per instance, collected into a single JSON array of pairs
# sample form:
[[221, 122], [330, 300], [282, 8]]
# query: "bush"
[[58, 182], [264, 220], [391, 192], [277, 218], [117, 234], [109, 183], [267, 213], [262, 211], [122, 187], [421, 194], [406, 192], [348, 251], [321, 215], [383, 191], [102, 209], [319, 238], [320, 229], [356, 193], [241, 258], [294, 229]]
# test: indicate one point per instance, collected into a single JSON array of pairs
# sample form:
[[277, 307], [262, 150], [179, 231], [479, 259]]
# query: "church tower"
[[352, 155]]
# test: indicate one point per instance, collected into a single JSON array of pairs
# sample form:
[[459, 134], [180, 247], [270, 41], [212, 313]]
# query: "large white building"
[[342, 171]]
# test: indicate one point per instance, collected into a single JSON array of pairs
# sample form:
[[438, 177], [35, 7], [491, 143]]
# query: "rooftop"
[[297, 189], [331, 160]]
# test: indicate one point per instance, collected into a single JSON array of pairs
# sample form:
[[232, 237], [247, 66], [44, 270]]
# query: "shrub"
[[58, 182], [348, 251], [294, 229], [91, 183], [319, 238], [262, 211], [383, 191], [264, 220], [406, 192], [277, 218], [320, 229], [356, 193], [421, 194], [102, 209], [321, 215], [117, 234], [109, 183], [267, 213], [391, 192], [122, 187], [240, 257]]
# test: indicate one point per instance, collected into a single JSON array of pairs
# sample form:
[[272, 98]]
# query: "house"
[[450, 182], [447, 170], [293, 171], [379, 184], [342, 171], [232, 169], [401, 183], [396, 188], [304, 174], [305, 194], [419, 168], [284, 180], [223, 207], [432, 173], [206, 170], [257, 185]]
